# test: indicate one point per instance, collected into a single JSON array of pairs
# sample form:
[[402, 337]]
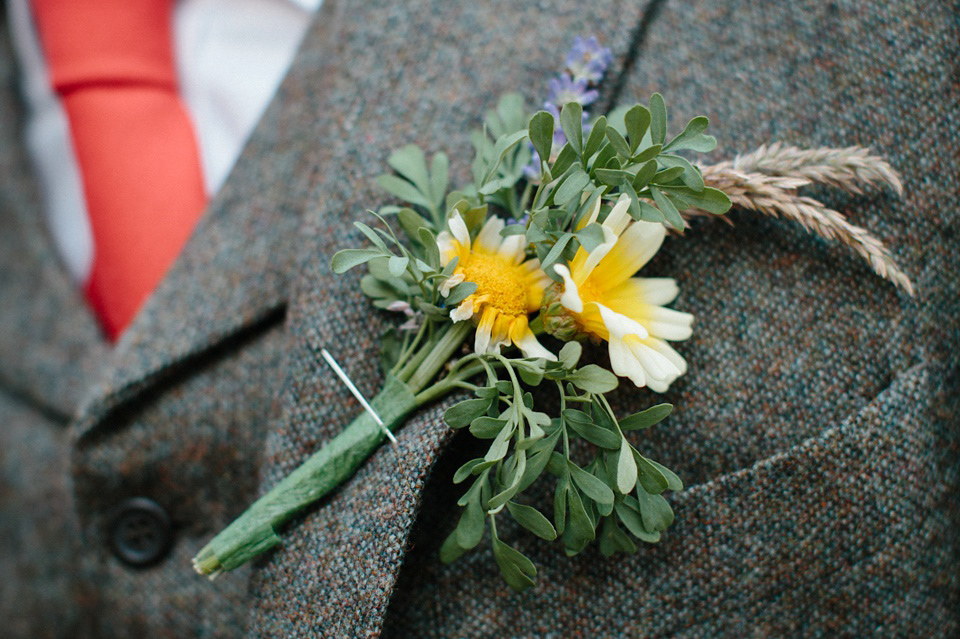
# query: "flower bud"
[[558, 320]]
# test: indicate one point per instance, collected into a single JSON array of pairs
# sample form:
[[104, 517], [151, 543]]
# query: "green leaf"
[[596, 137], [484, 427], [460, 415], [538, 457], [503, 144], [709, 199], [571, 121], [570, 354], [644, 174], [611, 177], [467, 469], [655, 511], [460, 292], [498, 449], [591, 236], [649, 476], [517, 570], [593, 379], [658, 119], [513, 474], [470, 527], [555, 253], [646, 418], [690, 176], [410, 162], [591, 486], [632, 519], [670, 212], [666, 176], [606, 156], [372, 236], [650, 213], [450, 551], [490, 187], [346, 259], [583, 425], [571, 188], [647, 154], [541, 134], [439, 178], [565, 160], [693, 137], [411, 223], [531, 519], [626, 468], [613, 539], [637, 120], [397, 265], [619, 143], [429, 241], [673, 481], [403, 190], [560, 503], [580, 530]]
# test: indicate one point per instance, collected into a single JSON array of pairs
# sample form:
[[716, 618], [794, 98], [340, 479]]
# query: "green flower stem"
[[255, 531], [436, 357]]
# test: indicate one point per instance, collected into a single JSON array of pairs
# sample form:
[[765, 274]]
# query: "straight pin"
[[356, 393]]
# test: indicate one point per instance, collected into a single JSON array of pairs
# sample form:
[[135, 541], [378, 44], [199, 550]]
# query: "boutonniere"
[[504, 282]]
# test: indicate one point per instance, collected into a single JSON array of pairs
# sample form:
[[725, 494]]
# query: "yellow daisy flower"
[[508, 288], [607, 302]]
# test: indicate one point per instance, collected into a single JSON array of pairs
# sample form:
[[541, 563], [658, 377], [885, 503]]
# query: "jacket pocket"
[[847, 533]]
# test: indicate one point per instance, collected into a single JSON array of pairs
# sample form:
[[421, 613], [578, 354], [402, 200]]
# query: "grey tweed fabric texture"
[[816, 430]]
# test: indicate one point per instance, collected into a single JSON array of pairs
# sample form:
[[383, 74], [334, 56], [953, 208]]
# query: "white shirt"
[[231, 57]]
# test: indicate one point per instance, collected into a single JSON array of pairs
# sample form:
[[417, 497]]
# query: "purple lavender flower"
[[563, 89], [587, 60]]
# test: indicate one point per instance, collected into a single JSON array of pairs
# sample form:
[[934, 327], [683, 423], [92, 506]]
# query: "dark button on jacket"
[[140, 532]]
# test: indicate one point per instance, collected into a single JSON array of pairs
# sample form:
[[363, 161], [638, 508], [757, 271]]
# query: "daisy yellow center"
[[499, 281]]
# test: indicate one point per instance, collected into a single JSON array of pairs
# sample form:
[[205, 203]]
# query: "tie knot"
[[107, 42]]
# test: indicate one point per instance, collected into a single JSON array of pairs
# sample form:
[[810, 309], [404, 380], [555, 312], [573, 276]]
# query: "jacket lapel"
[[232, 274], [420, 72], [49, 344]]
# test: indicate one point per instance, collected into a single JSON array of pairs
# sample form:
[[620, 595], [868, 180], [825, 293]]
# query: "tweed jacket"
[[816, 430]]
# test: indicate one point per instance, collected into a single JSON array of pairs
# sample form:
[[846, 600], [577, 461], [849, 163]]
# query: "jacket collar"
[[232, 274], [49, 344]]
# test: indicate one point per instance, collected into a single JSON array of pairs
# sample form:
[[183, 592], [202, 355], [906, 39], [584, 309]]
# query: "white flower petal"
[[481, 343], [489, 238], [450, 282], [667, 323], [530, 347], [619, 216], [624, 363], [658, 290], [667, 351], [571, 296], [512, 248], [656, 365], [594, 214], [446, 247], [620, 325], [459, 229], [464, 311], [636, 246], [600, 252]]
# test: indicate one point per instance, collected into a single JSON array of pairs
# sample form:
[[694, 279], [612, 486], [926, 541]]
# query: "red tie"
[[111, 62]]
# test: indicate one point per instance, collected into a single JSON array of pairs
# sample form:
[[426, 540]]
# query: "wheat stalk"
[[776, 196], [849, 168]]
